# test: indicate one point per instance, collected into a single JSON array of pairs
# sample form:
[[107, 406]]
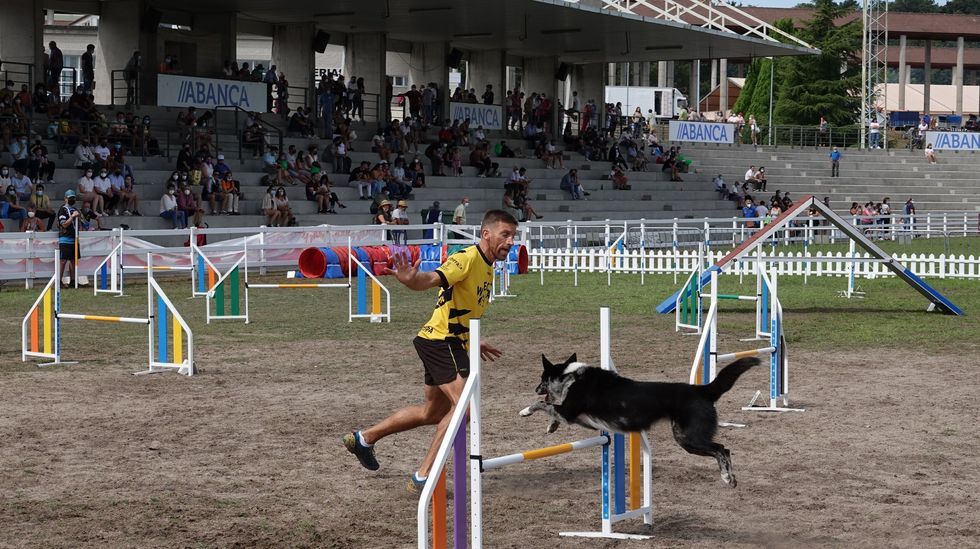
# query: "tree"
[[914, 6], [827, 84], [971, 7]]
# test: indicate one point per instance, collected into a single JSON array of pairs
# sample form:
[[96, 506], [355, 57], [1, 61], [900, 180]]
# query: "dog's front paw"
[[553, 427], [526, 412]]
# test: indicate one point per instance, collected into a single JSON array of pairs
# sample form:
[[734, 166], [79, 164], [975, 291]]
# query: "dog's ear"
[[544, 361], [573, 358]]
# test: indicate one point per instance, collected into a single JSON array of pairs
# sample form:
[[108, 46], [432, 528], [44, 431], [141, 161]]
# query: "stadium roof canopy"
[[530, 28]]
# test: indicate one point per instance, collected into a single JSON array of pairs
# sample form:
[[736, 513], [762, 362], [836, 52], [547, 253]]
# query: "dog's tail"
[[727, 377]]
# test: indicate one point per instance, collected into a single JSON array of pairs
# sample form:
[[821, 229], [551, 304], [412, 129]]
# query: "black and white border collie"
[[576, 393]]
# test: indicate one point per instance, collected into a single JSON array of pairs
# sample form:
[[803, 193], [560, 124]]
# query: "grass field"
[[246, 454]]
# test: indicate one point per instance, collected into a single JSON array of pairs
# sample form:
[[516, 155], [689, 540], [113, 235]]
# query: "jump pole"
[[166, 329]]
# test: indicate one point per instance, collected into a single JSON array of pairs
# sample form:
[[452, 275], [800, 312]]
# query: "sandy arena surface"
[[248, 454]]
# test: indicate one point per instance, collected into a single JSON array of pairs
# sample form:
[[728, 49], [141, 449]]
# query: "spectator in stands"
[[10, 207], [191, 209], [31, 222], [762, 212], [86, 190], [186, 121], [480, 159], [383, 217], [20, 151], [671, 163], [90, 220], [509, 205], [930, 154], [619, 179], [131, 73], [341, 161], [22, 185], [281, 202], [885, 211], [571, 184], [823, 132], [434, 152], [88, 67], [553, 157], [116, 182], [433, 215], [754, 129], [103, 188], [415, 172], [759, 181], [775, 208], [501, 150], [750, 175], [269, 209], [128, 197], [39, 168], [169, 209], [459, 214], [749, 212], [102, 152], [720, 186], [835, 163], [456, 160], [299, 123], [56, 62], [400, 217], [254, 135], [231, 193], [396, 185], [361, 177], [41, 205]]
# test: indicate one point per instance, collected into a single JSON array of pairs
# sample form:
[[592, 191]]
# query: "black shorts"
[[443, 359], [67, 252]]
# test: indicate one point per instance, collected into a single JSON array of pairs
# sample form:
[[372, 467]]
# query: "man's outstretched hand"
[[489, 352], [404, 269]]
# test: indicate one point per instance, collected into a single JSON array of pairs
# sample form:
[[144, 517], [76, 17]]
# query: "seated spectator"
[[360, 177], [501, 150], [300, 124], [41, 205], [86, 190], [190, 208], [553, 157], [415, 173], [39, 167], [22, 184], [398, 185], [128, 198], [254, 135], [570, 183], [269, 164], [186, 121], [480, 159], [930, 154], [400, 217], [619, 179], [169, 209], [383, 215], [269, 207], [434, 152], [20, 151], [230, 193], [508, 205], [89, 220], [281, 202], [146, 142], [720, 186], [31, 222], [103, 188], [9, 206]]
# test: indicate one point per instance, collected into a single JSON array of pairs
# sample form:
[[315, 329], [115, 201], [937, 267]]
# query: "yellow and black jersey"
[[467, 281]]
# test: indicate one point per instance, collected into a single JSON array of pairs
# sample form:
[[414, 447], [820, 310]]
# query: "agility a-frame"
[[854, 233]]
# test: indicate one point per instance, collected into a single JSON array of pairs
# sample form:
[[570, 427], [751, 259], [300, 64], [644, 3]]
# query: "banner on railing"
[[190, 91], [702, 132], [954, 141], [491, 117]]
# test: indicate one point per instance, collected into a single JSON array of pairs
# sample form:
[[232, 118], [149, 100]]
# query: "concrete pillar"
[[365, 58], [645, 73], [902, 72], [958, 75], [122, 32], [539, 76], [21, 37], [927, 77], [610, 74], [293, 56], [723, 82], [661, 74], [670, 74], [225, 27], [714, 74], [634, 74], [428, 64], [589, 83], [694, 96], [487, 67]]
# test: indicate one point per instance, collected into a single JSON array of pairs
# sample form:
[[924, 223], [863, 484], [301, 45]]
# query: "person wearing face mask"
[[128, 197], [281, 202], [89, 220], [189, 206], [22, 184], [67, 244], [169, 209], [42, 206], [40, 168], [116, 184], [103, 188], [86, 190], [31, 222], [4, 176], [185, 158], [20, 151], [9, 206], [84, 156]]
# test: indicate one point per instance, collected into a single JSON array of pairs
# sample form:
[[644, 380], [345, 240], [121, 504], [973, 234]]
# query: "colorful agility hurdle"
[[617, 501], [706, 358], [170, 340], [228, 296], [109, 275], [689, 309], [501, 281]]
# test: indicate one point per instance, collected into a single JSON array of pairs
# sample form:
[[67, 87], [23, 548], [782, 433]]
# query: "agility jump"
[[109, 275], [170, 340], [706, 358], [229, 292], [618, 502]]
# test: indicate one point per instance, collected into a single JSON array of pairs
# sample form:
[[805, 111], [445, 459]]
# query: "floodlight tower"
[[874, 66]]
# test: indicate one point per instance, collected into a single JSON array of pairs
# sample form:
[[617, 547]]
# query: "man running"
[[466, 281]]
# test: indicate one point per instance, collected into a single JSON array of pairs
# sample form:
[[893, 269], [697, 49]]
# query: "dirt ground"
[[248, 453]]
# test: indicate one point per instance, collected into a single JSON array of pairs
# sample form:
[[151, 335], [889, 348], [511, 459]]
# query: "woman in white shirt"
[[86, 191], [930, 154]]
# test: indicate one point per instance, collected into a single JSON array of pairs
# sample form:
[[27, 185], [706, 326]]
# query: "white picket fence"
[[601, 260]]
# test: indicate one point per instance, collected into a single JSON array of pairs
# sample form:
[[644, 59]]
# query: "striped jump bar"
[[304, 285], [123, 319], [157, 268], [745, 354], [738, 297], [498, 462]]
